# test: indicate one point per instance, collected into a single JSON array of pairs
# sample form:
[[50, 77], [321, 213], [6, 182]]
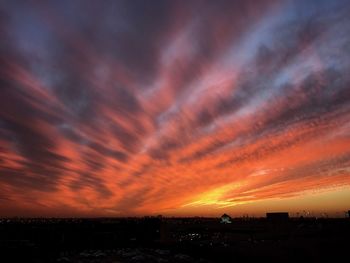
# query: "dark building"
[[277, 216], [349, 213], [226, 219]]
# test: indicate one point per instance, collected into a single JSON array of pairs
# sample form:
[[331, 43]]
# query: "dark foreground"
[[173, 240]]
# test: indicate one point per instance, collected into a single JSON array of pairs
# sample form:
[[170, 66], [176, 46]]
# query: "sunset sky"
[[180, 108]]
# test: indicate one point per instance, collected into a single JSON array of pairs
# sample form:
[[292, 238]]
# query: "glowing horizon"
[[176, 108]]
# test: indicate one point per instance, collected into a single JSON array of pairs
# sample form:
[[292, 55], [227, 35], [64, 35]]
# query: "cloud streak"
[[136, 107]]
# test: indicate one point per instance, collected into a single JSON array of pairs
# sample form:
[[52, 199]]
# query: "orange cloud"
[[190, 109]]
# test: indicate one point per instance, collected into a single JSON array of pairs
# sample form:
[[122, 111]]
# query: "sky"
[[180, 108]]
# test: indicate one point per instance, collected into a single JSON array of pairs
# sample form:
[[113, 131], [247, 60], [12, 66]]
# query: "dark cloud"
[[106, 151], [91, 180], [21, 124]]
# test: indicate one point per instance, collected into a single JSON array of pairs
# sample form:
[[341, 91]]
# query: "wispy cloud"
[[136, 107]]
